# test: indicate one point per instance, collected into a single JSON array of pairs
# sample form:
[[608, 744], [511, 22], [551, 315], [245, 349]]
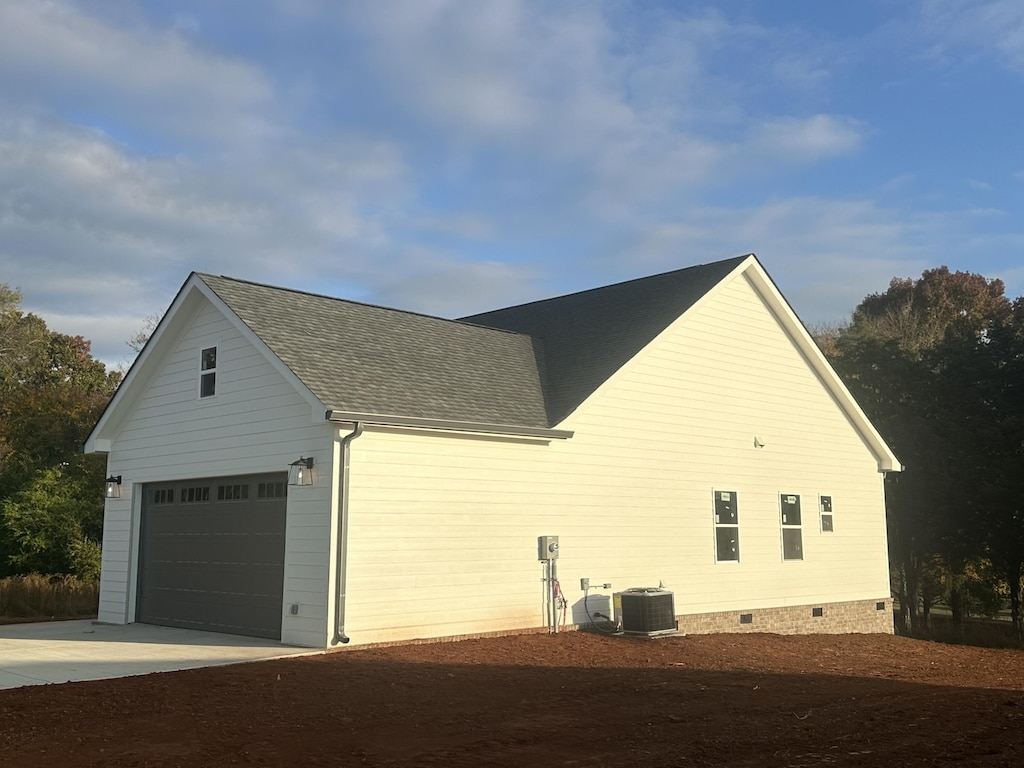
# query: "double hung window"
[[792, 530], [208, 372], [727, 526]]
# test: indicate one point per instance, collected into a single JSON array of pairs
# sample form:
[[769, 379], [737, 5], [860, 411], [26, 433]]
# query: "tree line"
[[937, 363], [52, 392]]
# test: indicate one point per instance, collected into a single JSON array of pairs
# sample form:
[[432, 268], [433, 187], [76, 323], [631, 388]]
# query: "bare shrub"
[[37, 596]]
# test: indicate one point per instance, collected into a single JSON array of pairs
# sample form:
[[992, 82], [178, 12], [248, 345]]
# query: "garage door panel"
[[237, 579], [215, 565]]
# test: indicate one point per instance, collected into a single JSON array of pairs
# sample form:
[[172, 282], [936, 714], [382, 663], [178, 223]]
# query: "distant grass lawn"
[[42, 598]]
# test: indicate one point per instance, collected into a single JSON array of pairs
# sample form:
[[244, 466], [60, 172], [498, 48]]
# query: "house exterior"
[[680, 430]]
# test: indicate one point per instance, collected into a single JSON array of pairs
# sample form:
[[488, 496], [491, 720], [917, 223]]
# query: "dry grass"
[[37, 597]]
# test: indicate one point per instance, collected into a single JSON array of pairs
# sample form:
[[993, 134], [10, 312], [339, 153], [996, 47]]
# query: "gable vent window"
[[727, 527], [825, 504], [792, 532], [232, 492], [208, 372]]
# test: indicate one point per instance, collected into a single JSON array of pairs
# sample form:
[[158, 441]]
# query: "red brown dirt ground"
[[573, 699]]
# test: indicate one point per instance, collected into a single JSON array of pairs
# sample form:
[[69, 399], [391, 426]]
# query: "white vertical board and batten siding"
[[256, 422], [443, 528]]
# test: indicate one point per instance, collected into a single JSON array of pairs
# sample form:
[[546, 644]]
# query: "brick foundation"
[[860, 616]]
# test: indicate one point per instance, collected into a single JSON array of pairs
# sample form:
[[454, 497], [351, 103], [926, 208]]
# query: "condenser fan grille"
[[647, 611]]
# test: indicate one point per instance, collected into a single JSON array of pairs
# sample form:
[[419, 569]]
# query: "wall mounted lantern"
[[113, 487], [301, 472]]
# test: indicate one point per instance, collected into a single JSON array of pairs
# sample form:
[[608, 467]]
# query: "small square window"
[[825, 505]]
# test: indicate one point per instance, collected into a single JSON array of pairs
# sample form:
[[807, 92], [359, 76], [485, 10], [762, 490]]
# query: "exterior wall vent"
[[646, 611]]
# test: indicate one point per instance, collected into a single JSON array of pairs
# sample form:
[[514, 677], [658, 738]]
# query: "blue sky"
[[452, 156]]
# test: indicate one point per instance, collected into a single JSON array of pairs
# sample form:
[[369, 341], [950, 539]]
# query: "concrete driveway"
[[68, 651]]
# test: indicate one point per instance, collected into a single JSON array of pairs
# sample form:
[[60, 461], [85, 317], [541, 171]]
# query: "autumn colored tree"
[[51, 393], [904, 356]]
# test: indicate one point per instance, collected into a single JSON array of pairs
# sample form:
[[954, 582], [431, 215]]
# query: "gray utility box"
[[645, 611], [547, 547]]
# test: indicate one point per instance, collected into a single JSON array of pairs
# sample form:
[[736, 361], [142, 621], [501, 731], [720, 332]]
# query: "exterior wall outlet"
[[584, 584], [293, 609]]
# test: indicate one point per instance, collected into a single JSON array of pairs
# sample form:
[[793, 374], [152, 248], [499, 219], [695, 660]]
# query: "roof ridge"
[[656, 275], [371, 305]]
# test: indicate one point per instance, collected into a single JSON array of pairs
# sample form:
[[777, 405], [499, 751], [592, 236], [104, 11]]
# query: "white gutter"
[[446, 425]]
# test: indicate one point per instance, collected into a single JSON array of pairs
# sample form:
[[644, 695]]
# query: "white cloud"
[[976, 29], [805, 139], [826, 255], [441, 155], [147, 78]]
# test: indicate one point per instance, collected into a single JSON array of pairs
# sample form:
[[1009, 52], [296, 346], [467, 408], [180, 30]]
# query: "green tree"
[[55, 522], [982, 381], [51, 393]]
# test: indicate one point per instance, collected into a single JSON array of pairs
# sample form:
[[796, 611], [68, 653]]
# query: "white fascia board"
[[171, 326], [317, 408], [141, 371], [766, 288]]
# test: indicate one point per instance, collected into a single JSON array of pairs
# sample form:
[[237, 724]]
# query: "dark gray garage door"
[[212, 554]]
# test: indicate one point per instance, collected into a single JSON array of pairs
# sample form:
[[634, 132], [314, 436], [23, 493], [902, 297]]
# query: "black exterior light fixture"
[[301, 472], [113, 487]]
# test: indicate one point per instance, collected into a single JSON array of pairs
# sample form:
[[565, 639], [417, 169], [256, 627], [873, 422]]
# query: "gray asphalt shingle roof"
[[529, 365], [368, 359]]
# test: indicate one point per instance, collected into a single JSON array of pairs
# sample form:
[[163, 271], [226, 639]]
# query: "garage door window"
[[163, 496], [195, 495], [232, 492], [271, 490]]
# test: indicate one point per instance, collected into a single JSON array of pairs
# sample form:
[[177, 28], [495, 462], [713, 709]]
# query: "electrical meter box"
[[547, 547]]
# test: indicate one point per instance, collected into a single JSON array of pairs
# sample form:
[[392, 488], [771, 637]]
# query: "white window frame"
[[208, 373], [733, 498], [787, 525], [825, 513]]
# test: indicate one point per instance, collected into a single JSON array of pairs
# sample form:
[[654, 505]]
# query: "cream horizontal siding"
[[256, 422], [734, 375], [443, 528]]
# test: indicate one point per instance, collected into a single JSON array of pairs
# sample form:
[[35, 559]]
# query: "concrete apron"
[[71, 651]]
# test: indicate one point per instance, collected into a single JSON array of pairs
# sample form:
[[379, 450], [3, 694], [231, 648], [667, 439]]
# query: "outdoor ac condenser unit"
[[645, 611]]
